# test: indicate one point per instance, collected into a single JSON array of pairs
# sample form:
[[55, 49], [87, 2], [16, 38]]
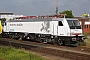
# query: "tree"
[[68, 13], [3, 20]]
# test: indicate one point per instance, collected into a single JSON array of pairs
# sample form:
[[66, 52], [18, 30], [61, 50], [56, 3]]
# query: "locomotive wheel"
[[19, 37], [59, 42], [39, 40], [10, 37], [53, 41], [45, 41], [76, 44]]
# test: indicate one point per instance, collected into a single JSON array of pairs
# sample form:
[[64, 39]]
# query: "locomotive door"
[[54, 28], [61, 29]]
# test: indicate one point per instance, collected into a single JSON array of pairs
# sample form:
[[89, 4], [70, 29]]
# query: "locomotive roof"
[[44, 19]]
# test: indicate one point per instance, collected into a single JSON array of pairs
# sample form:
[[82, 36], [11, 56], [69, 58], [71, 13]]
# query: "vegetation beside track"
[[87, 41], [17, 54]]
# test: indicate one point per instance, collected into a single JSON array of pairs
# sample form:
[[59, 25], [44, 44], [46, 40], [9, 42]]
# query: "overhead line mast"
[[56, 7]]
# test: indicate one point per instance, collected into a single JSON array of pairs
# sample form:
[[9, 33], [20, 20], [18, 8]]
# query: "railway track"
[[74, 53]]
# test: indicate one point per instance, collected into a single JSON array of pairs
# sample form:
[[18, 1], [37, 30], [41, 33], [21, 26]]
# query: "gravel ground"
[[49, 57], [53, 57]]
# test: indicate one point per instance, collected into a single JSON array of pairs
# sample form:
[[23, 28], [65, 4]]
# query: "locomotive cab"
[[71, 32]]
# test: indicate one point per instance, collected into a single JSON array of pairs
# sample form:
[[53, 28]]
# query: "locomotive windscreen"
[[74, 24]]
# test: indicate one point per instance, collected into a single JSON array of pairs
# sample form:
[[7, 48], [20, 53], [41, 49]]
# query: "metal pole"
[[89, 17], [56, 7], [83, 22]]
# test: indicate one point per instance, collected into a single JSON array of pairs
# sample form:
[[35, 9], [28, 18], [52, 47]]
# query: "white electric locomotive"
[[63, 31]]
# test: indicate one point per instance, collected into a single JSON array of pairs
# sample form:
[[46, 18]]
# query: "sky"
[[44, 7]]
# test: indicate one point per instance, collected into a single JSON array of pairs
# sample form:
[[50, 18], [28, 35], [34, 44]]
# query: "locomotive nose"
[[76, 34]]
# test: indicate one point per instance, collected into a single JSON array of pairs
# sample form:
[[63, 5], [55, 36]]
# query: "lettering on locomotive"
[[16, 24]]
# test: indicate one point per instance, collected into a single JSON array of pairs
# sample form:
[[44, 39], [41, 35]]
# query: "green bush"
[[13, 54], [86, 35], [83, 43]]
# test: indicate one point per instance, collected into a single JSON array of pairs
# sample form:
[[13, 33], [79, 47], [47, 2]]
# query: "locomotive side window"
[[2, 24], [5, 23], [60, 23]]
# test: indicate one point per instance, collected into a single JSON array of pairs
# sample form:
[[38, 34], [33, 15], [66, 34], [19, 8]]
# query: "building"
[[85, 24], [8, 15]]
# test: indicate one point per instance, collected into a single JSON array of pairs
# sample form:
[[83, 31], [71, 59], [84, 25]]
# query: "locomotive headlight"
[[73, 39]]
